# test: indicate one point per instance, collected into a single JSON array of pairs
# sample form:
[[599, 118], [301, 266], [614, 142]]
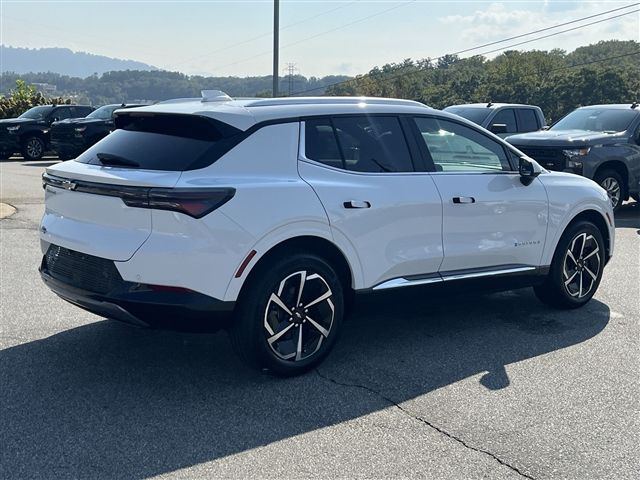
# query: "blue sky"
[[321, 37]]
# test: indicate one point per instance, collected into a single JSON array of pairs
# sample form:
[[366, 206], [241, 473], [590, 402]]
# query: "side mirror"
[[528, 170], [546, 127], [498, 128]]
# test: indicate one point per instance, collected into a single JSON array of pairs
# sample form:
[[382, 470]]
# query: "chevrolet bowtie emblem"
[[68, 185]]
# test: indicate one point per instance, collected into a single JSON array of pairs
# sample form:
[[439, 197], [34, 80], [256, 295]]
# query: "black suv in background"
[[600, 142], [30, 132], [71, 137], [503, 119]]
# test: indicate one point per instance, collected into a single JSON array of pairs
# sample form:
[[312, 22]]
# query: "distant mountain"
[[63, 61]]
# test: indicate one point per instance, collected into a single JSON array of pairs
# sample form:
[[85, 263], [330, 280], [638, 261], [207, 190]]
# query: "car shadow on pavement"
[[107, 400]]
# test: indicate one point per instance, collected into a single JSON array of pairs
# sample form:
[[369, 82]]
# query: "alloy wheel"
[[581, 265], [34, 148], [299, 316], [612, 187]]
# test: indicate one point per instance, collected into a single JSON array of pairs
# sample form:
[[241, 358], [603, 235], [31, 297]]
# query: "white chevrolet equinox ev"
[[274, 213]]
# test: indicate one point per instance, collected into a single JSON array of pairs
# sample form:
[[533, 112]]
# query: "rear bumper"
[[140, 305]]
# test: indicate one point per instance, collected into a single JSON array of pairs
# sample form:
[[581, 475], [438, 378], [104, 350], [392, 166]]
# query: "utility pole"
[[276, 46], [291, 71]]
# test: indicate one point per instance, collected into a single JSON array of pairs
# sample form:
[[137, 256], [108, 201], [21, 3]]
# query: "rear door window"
[[528, 120], [508, 118], [61, 113], [163, 142], [359, 144]]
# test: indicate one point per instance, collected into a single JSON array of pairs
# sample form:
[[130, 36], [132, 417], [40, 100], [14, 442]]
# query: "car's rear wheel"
[[33, 148], [612, 182], [289, 315], [576, 269]]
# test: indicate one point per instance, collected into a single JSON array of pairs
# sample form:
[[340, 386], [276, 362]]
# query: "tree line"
[[558, 82], [140, 85]]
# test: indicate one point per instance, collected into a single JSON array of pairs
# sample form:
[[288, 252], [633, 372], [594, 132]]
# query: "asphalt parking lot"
[[478, 387]]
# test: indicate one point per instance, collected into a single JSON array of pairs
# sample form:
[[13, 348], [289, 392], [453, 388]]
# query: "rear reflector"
[[246, 261]]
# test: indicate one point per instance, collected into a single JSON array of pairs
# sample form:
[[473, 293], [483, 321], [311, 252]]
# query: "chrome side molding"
[[403, 282], [450, 276]]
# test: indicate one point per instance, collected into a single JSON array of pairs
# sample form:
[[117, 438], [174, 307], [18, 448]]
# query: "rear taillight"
[[196, 202]]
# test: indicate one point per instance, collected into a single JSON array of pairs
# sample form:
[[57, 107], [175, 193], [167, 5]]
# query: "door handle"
[[357, 204], [464, 200]]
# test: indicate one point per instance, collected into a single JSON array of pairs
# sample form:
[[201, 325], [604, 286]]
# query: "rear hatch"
[[98, 204]]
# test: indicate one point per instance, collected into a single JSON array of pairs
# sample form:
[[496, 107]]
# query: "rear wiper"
[[111, 159]]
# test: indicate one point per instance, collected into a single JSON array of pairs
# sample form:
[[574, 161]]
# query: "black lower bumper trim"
[[132, 303]]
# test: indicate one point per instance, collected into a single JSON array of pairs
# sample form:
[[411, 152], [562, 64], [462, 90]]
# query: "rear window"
[[528, 120], [162, 142]]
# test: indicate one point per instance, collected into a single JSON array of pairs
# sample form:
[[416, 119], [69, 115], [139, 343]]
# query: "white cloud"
[[500, 21]]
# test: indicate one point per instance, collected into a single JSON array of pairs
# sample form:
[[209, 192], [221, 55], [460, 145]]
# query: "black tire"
[[256, 308], [571, 284], [610, 180], [33, 148]]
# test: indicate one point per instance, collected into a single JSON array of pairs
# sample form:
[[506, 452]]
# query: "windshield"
[[476, 115], [103, 113], [36, 113], [596, 120]]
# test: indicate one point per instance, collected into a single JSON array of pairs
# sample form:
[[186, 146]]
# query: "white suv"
[[273, 213]]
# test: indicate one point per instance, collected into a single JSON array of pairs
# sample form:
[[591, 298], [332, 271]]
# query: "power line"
[[268, 34], [261, 54], [398, 74], [594, 61]]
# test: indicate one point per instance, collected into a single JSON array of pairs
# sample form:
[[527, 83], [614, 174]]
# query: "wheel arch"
[[317, 245], [599, 221]]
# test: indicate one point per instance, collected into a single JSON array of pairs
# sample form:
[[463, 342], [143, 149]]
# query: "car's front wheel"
[[576, 269], [612, 182], [33, 148], [289, 315]]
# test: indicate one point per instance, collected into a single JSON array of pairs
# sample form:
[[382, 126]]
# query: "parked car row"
[[600, 142], [67, 130]]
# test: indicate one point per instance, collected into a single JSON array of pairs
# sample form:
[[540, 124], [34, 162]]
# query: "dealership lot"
[[492, 386]]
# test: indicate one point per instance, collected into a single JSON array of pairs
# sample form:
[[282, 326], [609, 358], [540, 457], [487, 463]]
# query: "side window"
[[82, 111], [359, 144], [528, 120], [61, 113], [320, 143], [373, 144], [458, 148], [508, 118]]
